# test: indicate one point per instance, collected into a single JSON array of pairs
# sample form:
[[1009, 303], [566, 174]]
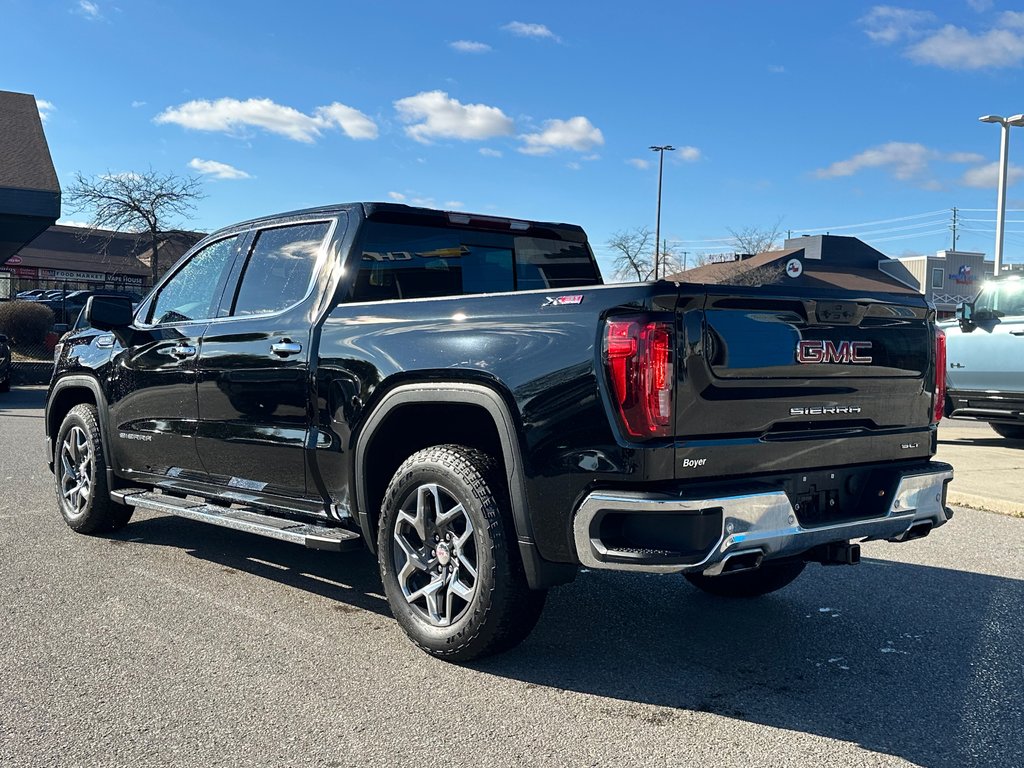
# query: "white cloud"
[[639, 163], [591, 158], [398, 197], [1012, 19], [88, 9], [689, 154], [488, 152], [906, 161], [469, 46], [776, 69], [576, 133], [957, 48], [987, 176], [137, 104], [216, 169], [888, 24], [73, 223], [454, 205], [949, 46], [963, 157], [352, 122], [435, 115], [522, 29], [232, 116], [573, 166], [45, 108]]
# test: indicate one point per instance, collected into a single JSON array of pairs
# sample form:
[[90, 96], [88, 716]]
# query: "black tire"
[[770, 577], [499, 609], [1010, 431], [80, 472]]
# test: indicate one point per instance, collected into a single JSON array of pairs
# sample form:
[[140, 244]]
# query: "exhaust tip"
[[743, 561]]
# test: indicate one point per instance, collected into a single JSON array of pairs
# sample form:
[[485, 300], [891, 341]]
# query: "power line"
[[871, 223]]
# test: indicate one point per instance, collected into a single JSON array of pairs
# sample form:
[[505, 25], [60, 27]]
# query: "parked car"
[[66, 309], [462, 395], [985, 351], [32, 294], [5, 364]]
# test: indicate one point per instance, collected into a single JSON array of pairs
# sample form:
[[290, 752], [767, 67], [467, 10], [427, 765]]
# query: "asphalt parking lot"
[[175, 643]]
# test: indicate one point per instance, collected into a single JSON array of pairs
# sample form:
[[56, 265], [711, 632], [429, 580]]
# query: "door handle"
[[1017, 333], [285, 348], [183, 351]]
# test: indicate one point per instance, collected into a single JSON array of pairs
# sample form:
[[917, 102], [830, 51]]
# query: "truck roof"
[[397, 212]]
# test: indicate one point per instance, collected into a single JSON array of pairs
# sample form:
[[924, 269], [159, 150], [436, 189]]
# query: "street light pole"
[[1004, 161], [661, 150]]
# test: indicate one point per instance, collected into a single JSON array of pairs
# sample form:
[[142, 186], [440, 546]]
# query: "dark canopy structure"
[[29, 190]]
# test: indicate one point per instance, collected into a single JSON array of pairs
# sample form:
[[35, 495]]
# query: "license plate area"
[[838, 495]]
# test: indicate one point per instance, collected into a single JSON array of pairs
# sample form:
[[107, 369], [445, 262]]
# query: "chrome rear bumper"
[[759, 522]]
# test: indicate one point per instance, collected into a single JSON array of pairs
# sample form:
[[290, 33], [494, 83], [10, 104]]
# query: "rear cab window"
[[410, 261]]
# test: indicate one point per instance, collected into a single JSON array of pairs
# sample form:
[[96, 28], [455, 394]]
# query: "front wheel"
[[448, 558], [1011, 431], [770, 577], [80, 470]]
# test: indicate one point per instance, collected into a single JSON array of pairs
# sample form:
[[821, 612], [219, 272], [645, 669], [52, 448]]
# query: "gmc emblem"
[[833, 352]]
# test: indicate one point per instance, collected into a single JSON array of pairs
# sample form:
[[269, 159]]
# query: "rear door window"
[[280, 268]]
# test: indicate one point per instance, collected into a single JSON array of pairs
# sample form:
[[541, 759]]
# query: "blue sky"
[[823, 114]]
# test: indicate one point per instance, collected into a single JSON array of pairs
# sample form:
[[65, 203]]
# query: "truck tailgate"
[[825, 380]]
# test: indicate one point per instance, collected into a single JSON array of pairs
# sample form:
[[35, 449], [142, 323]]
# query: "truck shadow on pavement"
[[351, 578], [919, 662]]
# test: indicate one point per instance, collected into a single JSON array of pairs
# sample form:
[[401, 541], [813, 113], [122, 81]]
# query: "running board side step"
[[243, 519]]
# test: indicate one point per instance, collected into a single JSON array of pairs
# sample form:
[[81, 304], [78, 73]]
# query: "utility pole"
[[953, 227], [661, 150], [1004, 149], [685, 254]]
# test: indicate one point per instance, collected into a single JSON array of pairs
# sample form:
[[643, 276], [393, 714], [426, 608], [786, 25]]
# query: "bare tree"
[[634, 256], [670, 261], [755, 239], [136, 202]]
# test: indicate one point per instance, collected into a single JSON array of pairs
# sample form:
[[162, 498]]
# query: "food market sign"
[[71, 274]]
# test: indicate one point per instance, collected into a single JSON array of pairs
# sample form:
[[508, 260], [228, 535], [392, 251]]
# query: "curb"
[[985, 504]]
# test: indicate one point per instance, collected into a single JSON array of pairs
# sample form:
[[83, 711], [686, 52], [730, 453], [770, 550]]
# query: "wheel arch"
[[494, 429], [66, 393]]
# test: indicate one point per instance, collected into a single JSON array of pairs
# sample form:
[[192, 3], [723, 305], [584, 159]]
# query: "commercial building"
[[77, 257], [823, 261], [29, 190], [36, 254], [948, 278]]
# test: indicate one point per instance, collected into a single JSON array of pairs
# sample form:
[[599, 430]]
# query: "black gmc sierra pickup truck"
[[461, 394]]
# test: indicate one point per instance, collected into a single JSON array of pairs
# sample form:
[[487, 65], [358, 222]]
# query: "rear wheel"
[[448, 561], [80, 471], [1012, 431], [770, 577]]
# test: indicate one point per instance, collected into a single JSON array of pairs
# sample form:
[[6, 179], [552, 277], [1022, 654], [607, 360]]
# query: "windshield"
[[1000, 299]]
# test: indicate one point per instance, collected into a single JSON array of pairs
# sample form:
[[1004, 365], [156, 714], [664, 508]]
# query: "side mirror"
[[965, 316], [109, 313]]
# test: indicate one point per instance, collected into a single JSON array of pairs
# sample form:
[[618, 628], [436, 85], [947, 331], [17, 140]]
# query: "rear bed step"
[[243, 519]]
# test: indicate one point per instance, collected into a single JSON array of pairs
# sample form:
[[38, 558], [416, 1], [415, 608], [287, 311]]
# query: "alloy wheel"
[[435, 555], [76, 462]]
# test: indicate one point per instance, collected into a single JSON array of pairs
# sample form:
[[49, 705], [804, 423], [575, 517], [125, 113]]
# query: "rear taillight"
[[638, 356], [940, 376]]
